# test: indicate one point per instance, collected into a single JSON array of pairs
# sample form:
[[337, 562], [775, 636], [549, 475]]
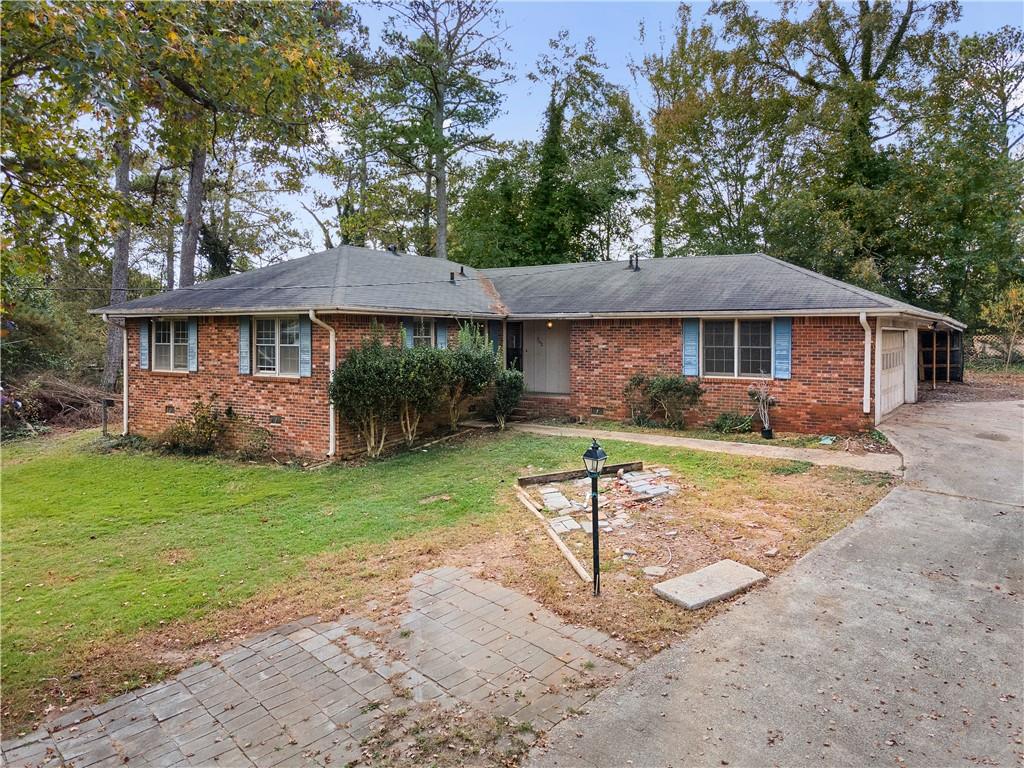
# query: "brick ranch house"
[[264, 343]]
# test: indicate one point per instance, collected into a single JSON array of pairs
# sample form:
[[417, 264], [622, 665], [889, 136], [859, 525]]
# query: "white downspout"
[[124, 372], [867, 361], [332, 356]]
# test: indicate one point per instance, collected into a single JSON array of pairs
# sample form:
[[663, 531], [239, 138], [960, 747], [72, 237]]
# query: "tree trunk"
[[428, 205], [193, 216], [441, 174], [119, 267], [169, 253]]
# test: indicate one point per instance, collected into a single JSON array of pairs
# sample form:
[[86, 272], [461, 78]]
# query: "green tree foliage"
[[661, 398], [565, 198], [1005, 314]]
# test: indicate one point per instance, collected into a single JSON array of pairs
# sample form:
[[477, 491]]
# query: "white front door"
[[893, 377], [546, 356]]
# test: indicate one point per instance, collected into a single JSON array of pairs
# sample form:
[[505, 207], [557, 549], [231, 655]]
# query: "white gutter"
[[332, 356], [867, 361], [124, 372]]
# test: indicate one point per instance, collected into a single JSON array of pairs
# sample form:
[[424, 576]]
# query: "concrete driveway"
[[897, 642]]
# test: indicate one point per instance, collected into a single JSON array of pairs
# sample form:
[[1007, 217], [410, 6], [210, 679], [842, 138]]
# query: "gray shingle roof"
[[350, 278], [345, 277]]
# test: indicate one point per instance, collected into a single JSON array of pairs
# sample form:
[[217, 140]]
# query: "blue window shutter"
[[305, 346], [691, 347], [441, 332], [193, 344], [244, 345], [494, 331], [783, 339], [407, 331], [144, 345]]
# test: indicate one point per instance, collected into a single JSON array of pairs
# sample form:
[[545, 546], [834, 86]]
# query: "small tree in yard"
[[364, 390], [421, 379], [508, 389], [470, 367], [1006, 315]]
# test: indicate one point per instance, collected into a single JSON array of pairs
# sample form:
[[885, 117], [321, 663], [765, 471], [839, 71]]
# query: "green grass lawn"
[[102, 547]]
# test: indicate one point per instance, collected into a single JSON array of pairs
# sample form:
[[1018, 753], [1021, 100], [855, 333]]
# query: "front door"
[[514, 346], [546, 356]]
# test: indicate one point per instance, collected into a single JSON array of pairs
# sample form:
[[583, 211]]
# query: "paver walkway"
[[869, 462], [309, 693], [896, 642]]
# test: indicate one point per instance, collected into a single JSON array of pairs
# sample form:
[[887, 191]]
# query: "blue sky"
[[615, 29]]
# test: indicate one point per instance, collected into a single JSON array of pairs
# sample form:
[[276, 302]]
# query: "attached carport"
[[907, 347]]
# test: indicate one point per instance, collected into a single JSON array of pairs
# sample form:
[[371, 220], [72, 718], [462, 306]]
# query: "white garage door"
[[893, 378]]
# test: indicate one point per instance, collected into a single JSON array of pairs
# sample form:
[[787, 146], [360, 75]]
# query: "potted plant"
[[763, 399]]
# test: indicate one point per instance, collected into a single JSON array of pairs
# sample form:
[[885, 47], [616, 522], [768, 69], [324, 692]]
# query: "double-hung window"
[[738, 348], [277, 346], [170, 345], [422, 332]]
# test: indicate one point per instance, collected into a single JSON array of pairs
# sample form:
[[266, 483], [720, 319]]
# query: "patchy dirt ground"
[[977, 386], [692, 528]]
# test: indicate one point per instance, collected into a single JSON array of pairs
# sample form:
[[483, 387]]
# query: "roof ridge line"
[[830, 280]]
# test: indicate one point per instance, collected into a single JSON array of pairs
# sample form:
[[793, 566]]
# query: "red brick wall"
[[824, 395], [300, 402]]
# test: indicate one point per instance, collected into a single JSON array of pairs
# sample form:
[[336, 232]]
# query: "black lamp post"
[[594, 460]]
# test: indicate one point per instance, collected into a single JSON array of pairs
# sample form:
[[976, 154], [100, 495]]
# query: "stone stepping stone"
[[564, 524], [556, 501], [588, 526], [708, 585]]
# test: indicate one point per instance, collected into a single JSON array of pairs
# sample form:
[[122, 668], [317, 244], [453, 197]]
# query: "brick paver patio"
[[310, 692]]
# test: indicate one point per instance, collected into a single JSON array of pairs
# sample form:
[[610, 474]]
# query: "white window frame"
[[419, 324], [276, 371], [173, 324], [736, 349]]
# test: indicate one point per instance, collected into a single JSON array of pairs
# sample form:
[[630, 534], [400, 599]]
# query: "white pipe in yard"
[[332, 357], [867, 361]]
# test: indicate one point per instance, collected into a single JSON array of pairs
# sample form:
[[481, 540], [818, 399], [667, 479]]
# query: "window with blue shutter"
[[144, 345], [193, 344], [691, 347], [244, 345], [305, 346], [783, 347], [441, 337]]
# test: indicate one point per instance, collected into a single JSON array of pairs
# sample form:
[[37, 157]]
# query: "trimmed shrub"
[[508, 390], [364, 390], [664, 397], [197, 434], [469, 369], [731, 422], [420, 382]]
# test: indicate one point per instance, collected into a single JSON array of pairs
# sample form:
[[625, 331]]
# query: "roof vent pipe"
[[393, 248], [452, 278], [462, 271], [636, 263], [630, 267]]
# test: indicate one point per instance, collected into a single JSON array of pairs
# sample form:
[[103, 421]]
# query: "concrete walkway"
[[310, 693], [896, 642], [870, 462]]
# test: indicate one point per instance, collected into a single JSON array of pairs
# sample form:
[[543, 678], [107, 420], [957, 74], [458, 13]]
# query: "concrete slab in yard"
[[708, 585]]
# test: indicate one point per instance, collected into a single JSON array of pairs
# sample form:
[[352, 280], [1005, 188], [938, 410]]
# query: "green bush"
[[469, 369], [197, 434], [731, 422], [364, 389], [508, 390], [660, 399], [420, 381]]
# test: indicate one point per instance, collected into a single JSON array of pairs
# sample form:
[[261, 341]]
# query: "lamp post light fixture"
[[594, 460]]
